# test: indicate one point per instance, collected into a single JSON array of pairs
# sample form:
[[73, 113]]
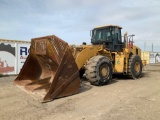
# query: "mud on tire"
[[98, 70]]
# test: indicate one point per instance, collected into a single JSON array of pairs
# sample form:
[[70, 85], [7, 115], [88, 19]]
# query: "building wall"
[[12, 56], [151, 57]]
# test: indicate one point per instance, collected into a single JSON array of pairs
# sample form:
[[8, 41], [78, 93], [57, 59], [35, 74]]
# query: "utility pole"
[[144, 46], [152, 47]]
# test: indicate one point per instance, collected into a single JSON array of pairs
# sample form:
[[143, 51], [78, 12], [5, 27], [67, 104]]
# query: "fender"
[[86, 54]]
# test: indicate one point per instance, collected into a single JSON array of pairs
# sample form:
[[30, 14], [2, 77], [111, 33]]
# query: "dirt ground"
[[122, 99]]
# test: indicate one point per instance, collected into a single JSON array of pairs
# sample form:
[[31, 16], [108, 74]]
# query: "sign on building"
[[154, 57], [12, 55]]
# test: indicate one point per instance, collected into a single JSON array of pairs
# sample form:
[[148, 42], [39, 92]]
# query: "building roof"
[[14, 41]]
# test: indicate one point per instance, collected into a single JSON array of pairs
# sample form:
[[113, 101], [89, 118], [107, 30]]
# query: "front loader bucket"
[[50, 70]]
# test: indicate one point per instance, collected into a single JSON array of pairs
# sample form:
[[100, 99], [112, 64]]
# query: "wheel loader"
[[53, 68]]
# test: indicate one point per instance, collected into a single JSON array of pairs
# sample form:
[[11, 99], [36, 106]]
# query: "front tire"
[[99, 70]]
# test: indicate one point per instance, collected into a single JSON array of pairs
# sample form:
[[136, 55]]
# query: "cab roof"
[[109, 26]]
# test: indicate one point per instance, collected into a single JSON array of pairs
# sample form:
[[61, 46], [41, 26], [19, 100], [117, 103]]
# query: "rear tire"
[[99, 70], [135, 67]]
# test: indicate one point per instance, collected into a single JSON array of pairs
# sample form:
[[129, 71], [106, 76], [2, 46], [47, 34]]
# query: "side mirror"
[[84, 43]]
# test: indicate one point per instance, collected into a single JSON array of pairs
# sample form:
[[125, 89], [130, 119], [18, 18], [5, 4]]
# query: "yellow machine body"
[[84, 52]]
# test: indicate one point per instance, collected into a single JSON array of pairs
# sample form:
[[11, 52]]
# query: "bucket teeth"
[[51, 68]]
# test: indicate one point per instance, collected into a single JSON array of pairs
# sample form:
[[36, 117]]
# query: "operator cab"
[[108, 35]]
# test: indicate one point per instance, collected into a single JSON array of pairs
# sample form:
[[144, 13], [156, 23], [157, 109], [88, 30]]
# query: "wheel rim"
[[137, 67], [104, 71]]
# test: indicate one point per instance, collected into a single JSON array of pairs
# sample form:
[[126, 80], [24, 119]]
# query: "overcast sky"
[[72, 20]]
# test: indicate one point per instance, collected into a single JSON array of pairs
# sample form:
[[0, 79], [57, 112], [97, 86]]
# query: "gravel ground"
[[122, 99]]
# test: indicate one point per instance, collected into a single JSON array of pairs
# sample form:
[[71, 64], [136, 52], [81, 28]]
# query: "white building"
[[13, 54]]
